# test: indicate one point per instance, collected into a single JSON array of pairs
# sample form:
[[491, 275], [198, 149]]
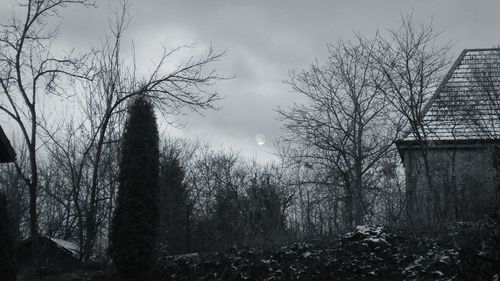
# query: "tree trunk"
[[348, 201], [91, 215], [411, 182], [358, 193]]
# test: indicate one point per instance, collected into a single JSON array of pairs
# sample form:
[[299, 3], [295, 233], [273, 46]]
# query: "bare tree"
[[343, 121], [412, 65], [235, 201], [184, 87], [29, 73], [89, 147]]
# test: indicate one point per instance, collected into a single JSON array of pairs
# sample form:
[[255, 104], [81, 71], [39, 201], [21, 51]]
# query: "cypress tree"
[[135, 221], [7, 258], [174, 210]]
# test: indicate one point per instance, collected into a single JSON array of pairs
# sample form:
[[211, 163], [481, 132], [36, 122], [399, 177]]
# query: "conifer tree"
[[135, 222], [174, 211], [7, 259]]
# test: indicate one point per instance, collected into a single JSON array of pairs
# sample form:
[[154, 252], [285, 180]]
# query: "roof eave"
[[7, 153]]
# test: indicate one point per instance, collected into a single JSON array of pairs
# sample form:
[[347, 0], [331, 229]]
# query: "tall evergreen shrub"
[[135, 221], [174, 210]]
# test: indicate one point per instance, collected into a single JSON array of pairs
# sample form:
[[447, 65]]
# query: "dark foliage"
[[7, 259], [369, 253], [480, 249], [265, 214], [227, 219], [174, 209], [135, 222]]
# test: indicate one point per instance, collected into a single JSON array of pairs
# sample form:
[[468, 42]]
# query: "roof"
[[68, 246], [7, 153], [466, 106]]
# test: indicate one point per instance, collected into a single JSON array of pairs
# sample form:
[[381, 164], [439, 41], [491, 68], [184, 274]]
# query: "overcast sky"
[[263, 41]]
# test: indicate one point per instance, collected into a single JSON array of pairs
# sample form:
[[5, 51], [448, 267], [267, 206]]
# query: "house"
[[56, 255], [6, 151], [460, 143], [8, 269]]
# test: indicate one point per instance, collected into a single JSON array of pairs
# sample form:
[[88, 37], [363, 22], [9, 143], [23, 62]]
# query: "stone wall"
[[464, 181]]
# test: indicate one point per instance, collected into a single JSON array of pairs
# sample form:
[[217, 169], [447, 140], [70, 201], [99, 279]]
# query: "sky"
[[263, 41]]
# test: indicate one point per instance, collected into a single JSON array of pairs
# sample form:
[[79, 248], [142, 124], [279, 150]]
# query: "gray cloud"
[[264, 40]]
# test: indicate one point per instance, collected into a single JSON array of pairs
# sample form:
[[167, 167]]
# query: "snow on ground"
[[368, 253]]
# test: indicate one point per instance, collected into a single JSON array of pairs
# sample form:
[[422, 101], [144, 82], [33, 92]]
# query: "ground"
[[368, 253]]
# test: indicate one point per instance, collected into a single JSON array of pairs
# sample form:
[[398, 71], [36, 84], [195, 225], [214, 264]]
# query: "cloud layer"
[[264, 40]]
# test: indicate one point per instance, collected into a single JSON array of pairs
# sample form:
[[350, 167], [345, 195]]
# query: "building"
[[8, 270], [6, 151], [54, 255], [460, 142]]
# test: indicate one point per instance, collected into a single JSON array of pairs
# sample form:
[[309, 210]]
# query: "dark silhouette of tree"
[[344, 124], [135, 223], [28, 72], [7, 259], [412, 67], [84, 146], [174, 208], [266, 218], [227, 218]]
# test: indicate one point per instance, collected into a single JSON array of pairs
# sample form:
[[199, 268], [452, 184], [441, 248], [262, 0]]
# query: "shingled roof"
[[466, 106]]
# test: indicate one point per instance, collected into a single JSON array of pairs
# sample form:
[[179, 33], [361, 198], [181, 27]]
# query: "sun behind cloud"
[[260, 139]]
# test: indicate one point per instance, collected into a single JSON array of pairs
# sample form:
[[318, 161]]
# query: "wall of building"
[[464, 184]]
